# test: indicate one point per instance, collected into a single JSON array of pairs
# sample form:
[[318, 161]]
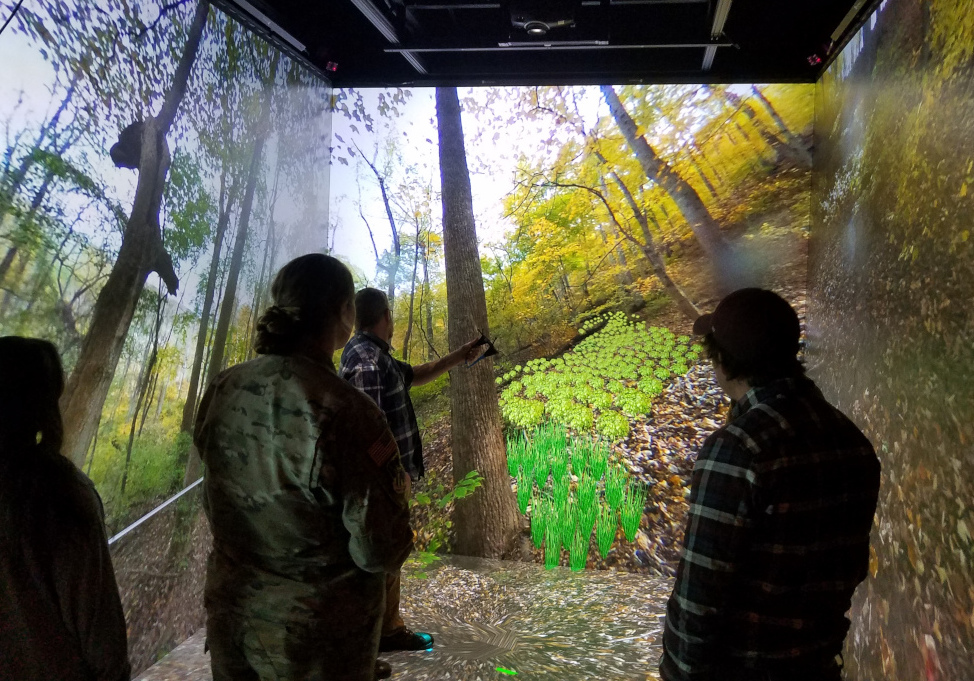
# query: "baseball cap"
[[754, 325]]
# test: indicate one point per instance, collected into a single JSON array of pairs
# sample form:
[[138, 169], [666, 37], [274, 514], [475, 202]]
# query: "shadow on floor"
[[498, 619]]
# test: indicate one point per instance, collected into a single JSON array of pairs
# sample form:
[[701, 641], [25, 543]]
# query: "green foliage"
[[552, 546], [611, 375], [541, 512], [615, 485], [631, 512], [578, 550], [577, 501], [634, 402], [613, 425], [606, 530], [438, 526], [523, 492]]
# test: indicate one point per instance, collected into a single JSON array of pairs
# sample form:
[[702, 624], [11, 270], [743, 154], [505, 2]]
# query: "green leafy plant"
[[615, 484], [612, 425], [631, 513], [523, 492], [552, 546], [578, 550], [606, 530], [540, 517]]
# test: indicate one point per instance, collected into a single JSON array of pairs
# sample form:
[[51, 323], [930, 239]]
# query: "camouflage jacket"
[[303, 489]]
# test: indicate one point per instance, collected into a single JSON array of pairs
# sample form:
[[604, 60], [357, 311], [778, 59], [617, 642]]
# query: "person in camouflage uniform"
[[305, 496]]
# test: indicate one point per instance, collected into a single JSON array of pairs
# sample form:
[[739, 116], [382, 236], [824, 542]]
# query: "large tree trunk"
[[142, 252], [488, 522], [704, 227], [228, 305]]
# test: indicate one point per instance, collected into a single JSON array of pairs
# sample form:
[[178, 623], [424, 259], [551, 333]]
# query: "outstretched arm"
[[425, 373]]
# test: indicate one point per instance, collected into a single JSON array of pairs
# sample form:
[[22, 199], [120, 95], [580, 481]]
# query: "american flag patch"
[[382, 449]]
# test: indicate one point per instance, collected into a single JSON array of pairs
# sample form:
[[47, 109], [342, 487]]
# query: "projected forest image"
[[607, 218], [161, 162]]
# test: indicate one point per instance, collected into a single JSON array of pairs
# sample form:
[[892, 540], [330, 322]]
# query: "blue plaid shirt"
[[781, 504], [367, 364]]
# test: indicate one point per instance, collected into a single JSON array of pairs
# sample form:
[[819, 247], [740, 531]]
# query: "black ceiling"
[[360, 43]]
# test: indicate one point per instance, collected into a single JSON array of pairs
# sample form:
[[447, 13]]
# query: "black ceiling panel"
[[360, 43]]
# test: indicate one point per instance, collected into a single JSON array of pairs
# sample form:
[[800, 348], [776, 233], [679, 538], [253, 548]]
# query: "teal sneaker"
[[405, 639]]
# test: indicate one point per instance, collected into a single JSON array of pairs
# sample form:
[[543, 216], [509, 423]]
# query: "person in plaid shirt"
[[781, 506], [367, 363]]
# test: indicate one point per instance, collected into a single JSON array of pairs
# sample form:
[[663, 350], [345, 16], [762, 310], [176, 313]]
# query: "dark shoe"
[[383, 670], [404, 639]]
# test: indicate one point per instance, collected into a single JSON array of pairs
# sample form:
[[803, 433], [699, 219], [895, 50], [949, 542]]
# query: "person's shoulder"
[[72, 497], [359, 351]]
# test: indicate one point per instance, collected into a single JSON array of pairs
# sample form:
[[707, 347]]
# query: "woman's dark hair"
[[31, 383], [309, 294], [755, 373]]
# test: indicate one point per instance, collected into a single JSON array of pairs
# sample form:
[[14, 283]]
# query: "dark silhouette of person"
[[60, 613], [781, 505], [305, 495]]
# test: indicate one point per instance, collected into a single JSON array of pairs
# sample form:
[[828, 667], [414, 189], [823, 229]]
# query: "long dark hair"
[[309, 294], [31, 382]]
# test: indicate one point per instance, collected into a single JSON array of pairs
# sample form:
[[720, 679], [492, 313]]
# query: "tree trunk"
[[704, 227], [393, 269], [141, 252], [145, 381], [793, 141], [428, 296], [654, 258], [228, 305], [487, 522], [227, 199], [412, 298]]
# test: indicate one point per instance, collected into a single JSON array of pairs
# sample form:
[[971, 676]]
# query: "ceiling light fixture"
[[270, 25], [720, 19], [388, 31]]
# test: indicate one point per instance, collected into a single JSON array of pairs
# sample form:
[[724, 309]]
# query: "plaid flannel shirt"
[[368, 365], [781, 505]]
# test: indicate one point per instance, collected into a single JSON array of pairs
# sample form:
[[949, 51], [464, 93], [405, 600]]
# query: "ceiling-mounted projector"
[[537, 17]]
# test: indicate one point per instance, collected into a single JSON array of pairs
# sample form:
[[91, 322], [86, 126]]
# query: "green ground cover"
[[563, 414], [608, 378], [570, 489]]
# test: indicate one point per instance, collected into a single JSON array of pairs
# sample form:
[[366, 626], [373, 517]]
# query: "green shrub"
[[606, 530], [631, 513], [612, 425], [634, 402], [615, 486], [540, 516], [578, 551], [523, 492], [552, 546]]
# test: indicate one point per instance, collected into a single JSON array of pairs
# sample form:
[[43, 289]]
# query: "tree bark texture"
[[488, 521], [141, 252]]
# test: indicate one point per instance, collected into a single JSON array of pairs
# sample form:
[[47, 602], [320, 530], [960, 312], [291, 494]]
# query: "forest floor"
[[661, 448]]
